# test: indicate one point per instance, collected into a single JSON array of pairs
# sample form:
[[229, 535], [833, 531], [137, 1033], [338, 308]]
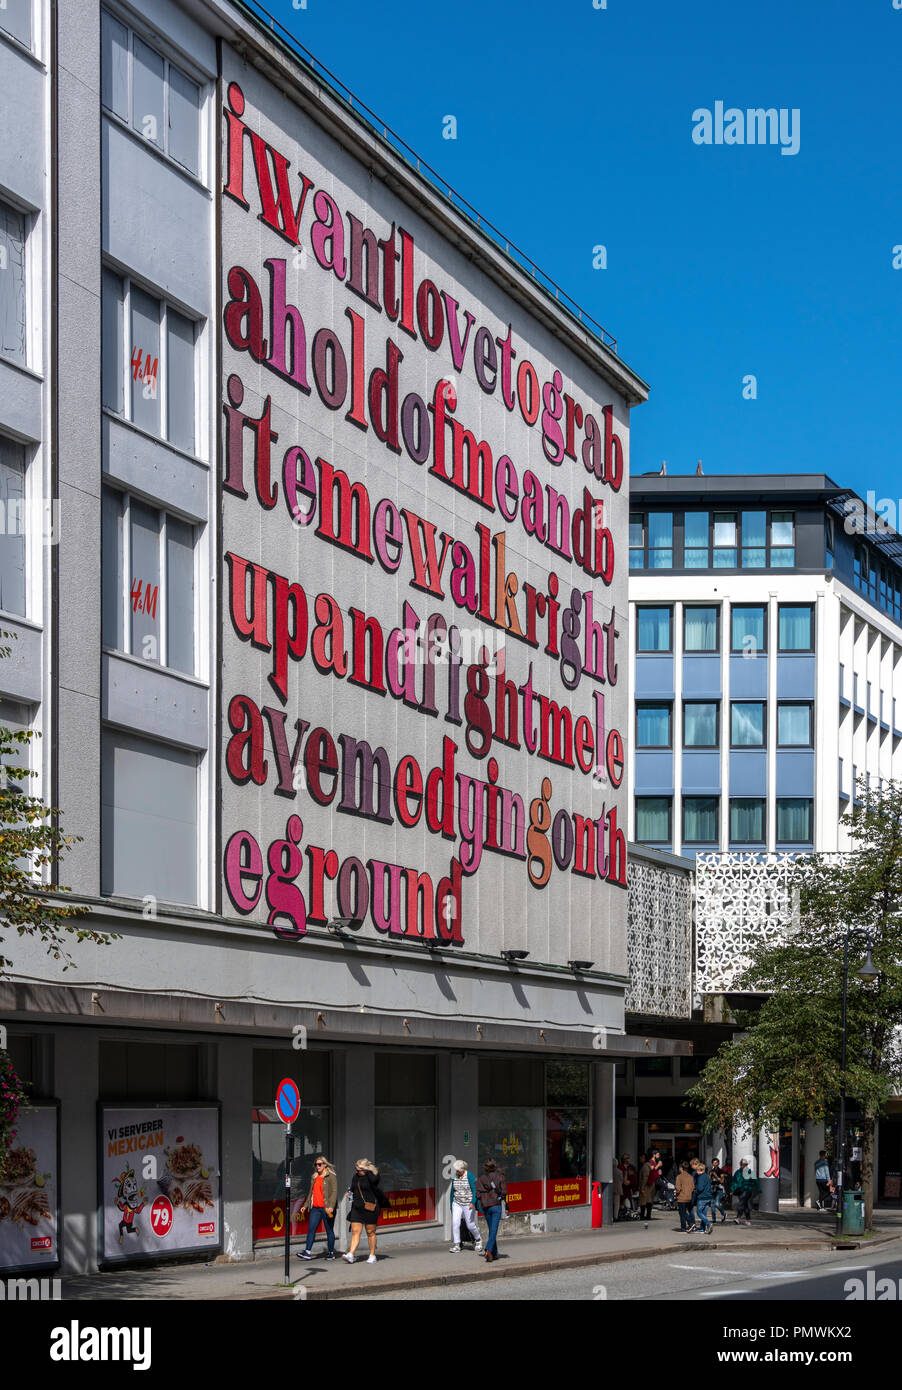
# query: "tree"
[[787, 1063], [31, 841]]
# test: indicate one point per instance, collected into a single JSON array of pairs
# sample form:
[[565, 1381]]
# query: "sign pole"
[[288, 1204], [288, 1107]]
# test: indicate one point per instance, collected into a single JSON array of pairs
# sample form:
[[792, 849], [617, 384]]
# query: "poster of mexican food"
[[29, 1216]]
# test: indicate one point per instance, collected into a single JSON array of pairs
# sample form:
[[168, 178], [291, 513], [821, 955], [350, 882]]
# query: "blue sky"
[[575, 130]]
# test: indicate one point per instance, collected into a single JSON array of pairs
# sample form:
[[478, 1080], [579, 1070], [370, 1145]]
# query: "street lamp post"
[[867, 973]]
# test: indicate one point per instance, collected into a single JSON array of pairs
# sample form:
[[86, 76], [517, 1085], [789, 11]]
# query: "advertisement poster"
[[29, 1195], [566, 1192], [410, 1204], [160, 1181]]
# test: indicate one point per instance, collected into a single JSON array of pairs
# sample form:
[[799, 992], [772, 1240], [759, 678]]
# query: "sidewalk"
[[404, 1267]]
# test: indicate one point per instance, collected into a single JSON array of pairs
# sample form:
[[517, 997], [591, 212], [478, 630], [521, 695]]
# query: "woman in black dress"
[[367, 1201]]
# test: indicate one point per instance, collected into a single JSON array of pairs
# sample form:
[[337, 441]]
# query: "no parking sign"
[[288, 1101]]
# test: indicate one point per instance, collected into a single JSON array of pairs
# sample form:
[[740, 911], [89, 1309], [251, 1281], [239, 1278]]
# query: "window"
[[566, 1129], [653, 815], [405, 1135], [150, 94], [748, 624], [18, 718], [796, 627], [15, 19], [637, 541], [148, 352], [794, 816], [829, 542], [747, 820], [782, 539], [653, 726], [13, 339], [12, 527], [794, 724], [747, 724], [654, 629], [861, 566], [695, 540], [148, 795], [312, 1135], [700, 818], [651, 540], [724, 536], [700, 720], [152, 614], [754, 540], [701, 629]]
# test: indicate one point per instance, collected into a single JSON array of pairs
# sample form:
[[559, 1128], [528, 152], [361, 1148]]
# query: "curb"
[[399, 1285]]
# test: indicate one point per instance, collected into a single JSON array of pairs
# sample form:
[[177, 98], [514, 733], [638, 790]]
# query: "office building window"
[[637, 541], [654, 629], [147, 92], [653, 816], [148, 796], [796, 627], [651, 540], [754, 540], [724, 538], [829, 542], [795, 724], [695, 540], [15, 20], [794, 820], [149, 367], [653, 726], [701, 629], [782, 539], [700, 820], [13, 318], [747, 820], [748, 624], [12, 528], [148, 599], [747, 724], [700, 724]]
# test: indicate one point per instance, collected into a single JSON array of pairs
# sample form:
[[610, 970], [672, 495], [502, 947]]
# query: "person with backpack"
[[367, 1201], [718, 1183], [745, 1186], [703, 1197], [491, 1190], [463, 1206], [822, 1178]]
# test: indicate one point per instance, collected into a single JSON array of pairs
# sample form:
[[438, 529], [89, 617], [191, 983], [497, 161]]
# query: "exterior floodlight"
[[514, 955], [580, 964]]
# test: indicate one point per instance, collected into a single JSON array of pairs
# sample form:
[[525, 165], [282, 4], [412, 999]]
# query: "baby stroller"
[[629, 1207], [666, 1198]]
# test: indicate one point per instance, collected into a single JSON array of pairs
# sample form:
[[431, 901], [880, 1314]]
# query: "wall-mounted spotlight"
[[339, 925], [514, 955], [580, 964]]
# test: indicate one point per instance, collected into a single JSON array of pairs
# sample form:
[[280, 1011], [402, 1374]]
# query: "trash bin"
[[853, 1212], [770, 1194]]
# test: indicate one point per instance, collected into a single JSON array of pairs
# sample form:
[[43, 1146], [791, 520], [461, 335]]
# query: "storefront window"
[[567, 1133], [511, 1127], [405, 1136], [311, 1133]]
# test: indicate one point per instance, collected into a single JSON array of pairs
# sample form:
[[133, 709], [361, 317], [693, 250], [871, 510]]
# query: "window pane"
[[653, 818], [144, 590], [660, 559], [405, 1157], [514, 1136], [795, 628], [700, 725], [794, 820], [112, 313], [180, 594], [12, 285], [695, 529], [147, 113], [653, 726], [782, 559], [12, 531], [567, 1083], [654, 630], [782, 528], [696, 559], [183, 123], [747, 725], [724, 528], [724, 559], [754, 559], [149, 819], [747, 820], [748, 628], [700, 819], [145, 361], [754, 528], [637, 559], [700, 629], [660, 529], [114, 65], [636, 529], [567, 1141], [180, 381], [112, 550], [15, 18], [794, 725]]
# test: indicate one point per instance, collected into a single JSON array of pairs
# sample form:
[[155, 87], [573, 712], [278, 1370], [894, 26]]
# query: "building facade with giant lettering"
[[340, 716]]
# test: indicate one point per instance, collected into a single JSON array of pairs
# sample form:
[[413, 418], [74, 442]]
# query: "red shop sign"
[[269, 1220], [409, 1204], [524, 1196], [566, 1192]]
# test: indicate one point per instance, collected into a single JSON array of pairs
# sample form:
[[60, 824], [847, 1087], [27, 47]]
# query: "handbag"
[[367, 1206]]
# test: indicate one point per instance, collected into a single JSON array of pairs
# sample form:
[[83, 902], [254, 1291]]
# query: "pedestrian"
[[491, 1190], [822, 1178], [717, 1187], [745, 1186], [727, 1172], [320, 1202], [657, 1174], [463, 1206], [703, 1197], [685, 1195], [617, 1185], [367, 1201], [646, 1190], [629, 1185]]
